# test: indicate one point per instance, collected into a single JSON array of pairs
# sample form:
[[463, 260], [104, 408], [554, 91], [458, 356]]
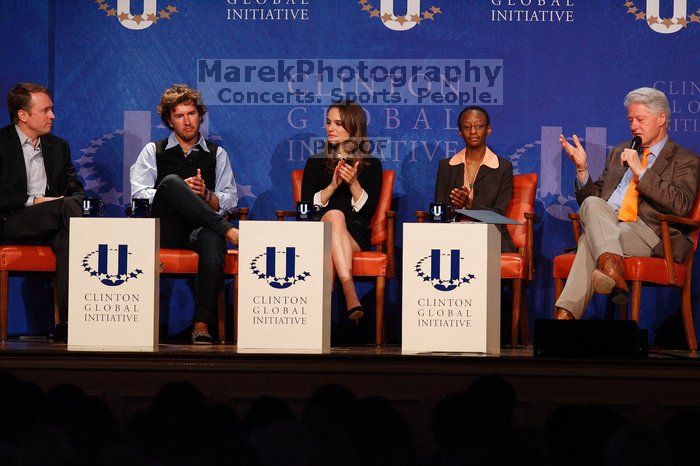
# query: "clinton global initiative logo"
[[264, 266], [386, 13], [100, 264], [267, 10], [434, 274], [146, 18], [532, 11], [649, 11], [91, 169]]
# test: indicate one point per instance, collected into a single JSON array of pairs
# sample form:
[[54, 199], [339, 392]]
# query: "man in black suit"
[[39, 191]]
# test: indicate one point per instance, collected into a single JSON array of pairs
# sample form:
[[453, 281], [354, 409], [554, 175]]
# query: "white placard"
[[113, 284], [284, 292], [451, 288]]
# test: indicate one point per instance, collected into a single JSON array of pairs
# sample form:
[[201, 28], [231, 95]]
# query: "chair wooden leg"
[[56, 314], [4, 291], [687, 311], [635, 302], [515, 321], [379, 331], [524, 324], [623, 310], [235, 308], [558, 288], [221, 315]]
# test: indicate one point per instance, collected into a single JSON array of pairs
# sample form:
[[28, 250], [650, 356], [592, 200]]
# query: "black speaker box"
[[613, 339]]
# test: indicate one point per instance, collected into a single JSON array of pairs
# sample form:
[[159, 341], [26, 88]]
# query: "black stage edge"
[[646, 390], [606, 339]]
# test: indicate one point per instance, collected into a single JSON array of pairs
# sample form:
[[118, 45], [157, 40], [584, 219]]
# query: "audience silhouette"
[[64, 426]]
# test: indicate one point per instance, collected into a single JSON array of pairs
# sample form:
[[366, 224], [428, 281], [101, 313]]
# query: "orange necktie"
[[628, 209]]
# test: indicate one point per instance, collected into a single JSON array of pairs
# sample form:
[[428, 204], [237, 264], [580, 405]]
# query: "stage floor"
[[645, 390], [27, 346]]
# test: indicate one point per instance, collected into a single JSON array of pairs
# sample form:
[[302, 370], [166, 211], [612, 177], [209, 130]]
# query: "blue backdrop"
[[541, 67]]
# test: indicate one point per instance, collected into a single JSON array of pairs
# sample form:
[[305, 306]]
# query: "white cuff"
[[580, 184], [317, 200], [357, 205]]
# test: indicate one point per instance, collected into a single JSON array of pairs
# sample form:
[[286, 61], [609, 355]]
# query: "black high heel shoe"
[[356, 313]]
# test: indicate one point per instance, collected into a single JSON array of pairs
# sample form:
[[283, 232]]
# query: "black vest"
[[173, 162]]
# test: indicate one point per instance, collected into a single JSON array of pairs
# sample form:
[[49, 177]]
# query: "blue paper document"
[[486, 216]]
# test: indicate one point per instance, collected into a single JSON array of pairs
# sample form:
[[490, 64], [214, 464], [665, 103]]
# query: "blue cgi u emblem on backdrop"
[[397, 22], [270, 275], [435, 274], [435, 268], [102, 270], [271, 263]]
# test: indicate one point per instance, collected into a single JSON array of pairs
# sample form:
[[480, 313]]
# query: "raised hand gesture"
[[576, 152]]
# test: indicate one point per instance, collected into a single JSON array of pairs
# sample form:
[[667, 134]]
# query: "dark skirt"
[[356, 228]]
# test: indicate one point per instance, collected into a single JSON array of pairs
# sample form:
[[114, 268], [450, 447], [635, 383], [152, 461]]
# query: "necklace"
[[340, 155], [470, 178]]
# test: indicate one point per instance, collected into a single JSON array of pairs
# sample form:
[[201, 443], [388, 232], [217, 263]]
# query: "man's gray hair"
[[652, 99]]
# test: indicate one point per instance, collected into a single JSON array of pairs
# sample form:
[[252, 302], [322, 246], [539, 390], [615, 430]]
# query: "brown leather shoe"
[[562, 314], [608, 278]]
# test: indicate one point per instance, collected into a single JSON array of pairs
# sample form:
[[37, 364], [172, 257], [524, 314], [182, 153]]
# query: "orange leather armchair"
[[656, 271], [518, 266], [378, 263], [23, 259], [184, 262]]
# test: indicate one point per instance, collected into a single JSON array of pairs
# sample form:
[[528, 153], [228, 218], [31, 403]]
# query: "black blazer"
[[317, 177], [493, 189], [60, 174]]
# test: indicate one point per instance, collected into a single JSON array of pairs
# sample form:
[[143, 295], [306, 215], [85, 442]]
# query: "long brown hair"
[[355, 123]]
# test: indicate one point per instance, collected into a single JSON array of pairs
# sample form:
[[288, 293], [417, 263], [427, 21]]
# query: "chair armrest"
[[695, 224], [532, 216], [390, 221], [666, 240], [576, 226], [529, 252], [281, 214], [240, 213], [668, 253], [421, 215]]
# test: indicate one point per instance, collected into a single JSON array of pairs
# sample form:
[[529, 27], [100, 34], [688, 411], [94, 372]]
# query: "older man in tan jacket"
[[619, 210]]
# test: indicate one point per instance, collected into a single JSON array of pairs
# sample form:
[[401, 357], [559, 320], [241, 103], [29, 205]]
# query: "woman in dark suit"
[[476, 178], [343, 182]]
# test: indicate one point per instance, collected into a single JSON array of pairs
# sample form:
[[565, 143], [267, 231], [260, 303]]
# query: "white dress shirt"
[[34, 164], [144, 172]]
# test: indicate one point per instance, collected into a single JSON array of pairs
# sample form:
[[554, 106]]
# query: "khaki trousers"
[[603, 232]]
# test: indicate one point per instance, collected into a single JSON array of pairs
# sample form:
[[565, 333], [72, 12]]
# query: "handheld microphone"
[[636, 144]]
